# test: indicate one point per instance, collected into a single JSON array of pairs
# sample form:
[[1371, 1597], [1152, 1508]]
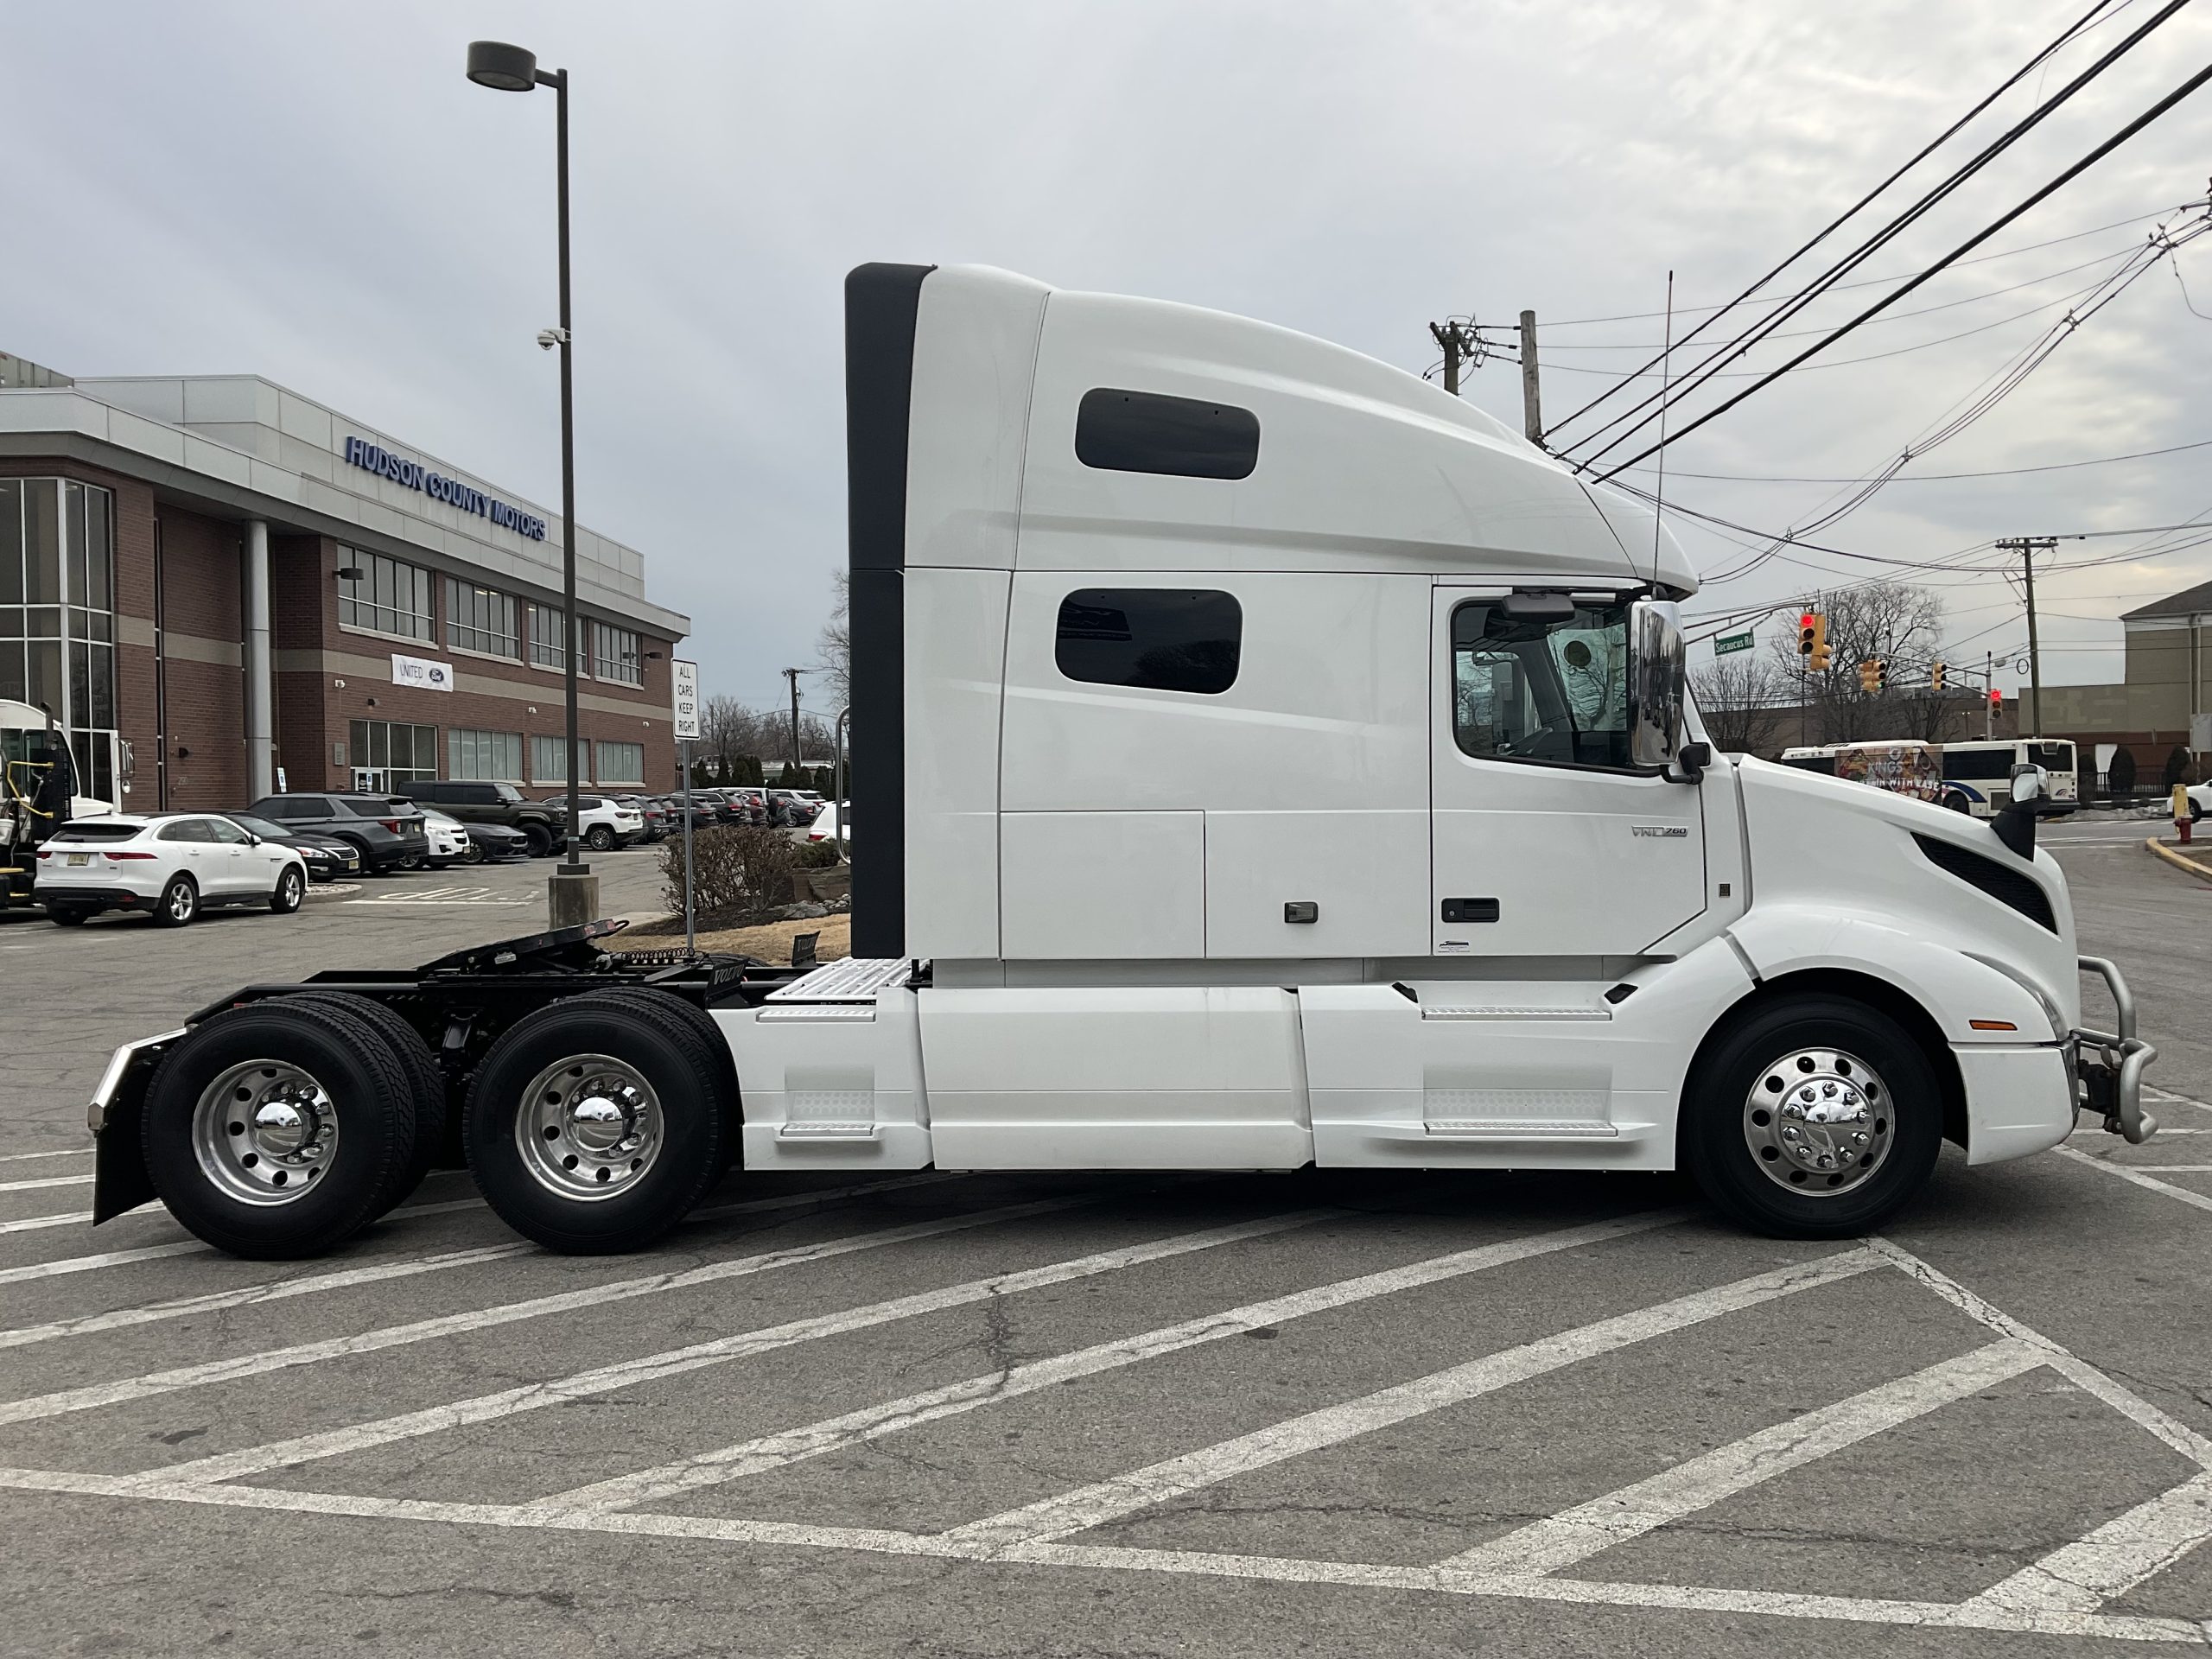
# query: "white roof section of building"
[[256, 436]]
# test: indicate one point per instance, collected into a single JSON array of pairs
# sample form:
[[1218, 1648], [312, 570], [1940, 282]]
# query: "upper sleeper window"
[[1158, 638], [1184, 437]]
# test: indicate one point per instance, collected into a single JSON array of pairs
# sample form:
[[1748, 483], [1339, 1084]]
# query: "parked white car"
[[829, 824], [169, 866], [449, 838], [2200, 801], [604, 822]]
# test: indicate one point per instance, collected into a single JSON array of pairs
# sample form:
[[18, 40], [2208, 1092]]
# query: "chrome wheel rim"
[[1819, 1122], [264, 1132], [590, 1126], [181, 902], [288, 886]]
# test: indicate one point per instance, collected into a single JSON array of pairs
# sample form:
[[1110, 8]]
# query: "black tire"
[[1958, 803], [414, 861], [600, 838], [726, 1082], [1716, 1151], [426, 1082], [665, 1049], [66, 915], [540, 839], [291, 888], [472, 854], [179, 905], [2196, 811], [369, 1091]]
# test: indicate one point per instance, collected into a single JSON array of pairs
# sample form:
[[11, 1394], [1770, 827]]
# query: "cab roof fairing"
[[1362, 466]]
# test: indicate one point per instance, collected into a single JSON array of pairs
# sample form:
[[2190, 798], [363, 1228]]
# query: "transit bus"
[[1974, 776]]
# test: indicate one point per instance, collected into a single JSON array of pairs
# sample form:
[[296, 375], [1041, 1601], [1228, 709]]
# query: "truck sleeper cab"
[[1268, 760]]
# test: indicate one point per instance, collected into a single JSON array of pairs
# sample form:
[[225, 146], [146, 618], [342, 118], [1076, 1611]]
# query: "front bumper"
[[2108, 1065]]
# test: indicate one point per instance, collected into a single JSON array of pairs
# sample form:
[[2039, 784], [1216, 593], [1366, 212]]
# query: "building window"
[[387, 595], [545, 638], [491, 757], [1154, 638], [394, 754], [57, 615], [621, 763], [481, 619], [616, 655], [549, 760]]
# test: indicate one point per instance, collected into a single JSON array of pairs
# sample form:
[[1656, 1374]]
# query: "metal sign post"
[[685, 677]]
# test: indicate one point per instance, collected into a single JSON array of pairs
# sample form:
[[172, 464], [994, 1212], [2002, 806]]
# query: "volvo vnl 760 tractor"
[[1267, 761]]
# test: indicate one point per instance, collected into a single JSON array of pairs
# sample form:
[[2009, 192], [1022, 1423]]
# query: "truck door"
[[1546, 841]]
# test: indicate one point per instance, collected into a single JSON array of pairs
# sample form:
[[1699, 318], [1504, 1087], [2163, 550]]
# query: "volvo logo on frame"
[[374, 458]]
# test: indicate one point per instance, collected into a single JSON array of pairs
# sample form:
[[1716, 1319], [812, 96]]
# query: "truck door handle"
[[1470, 910]]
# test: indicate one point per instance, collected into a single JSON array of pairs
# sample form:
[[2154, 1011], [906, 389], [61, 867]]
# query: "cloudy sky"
[[316, 195]]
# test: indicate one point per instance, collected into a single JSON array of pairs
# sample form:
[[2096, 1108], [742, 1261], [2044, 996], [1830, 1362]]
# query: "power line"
[[1940, 478], [2073, 172]]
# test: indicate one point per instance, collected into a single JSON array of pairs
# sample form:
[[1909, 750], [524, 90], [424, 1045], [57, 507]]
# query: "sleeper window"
[[1123, 431], [1526, 689], [1156, 639]]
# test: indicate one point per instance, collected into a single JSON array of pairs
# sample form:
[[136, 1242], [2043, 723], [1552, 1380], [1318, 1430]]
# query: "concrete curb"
[[2173, 857]]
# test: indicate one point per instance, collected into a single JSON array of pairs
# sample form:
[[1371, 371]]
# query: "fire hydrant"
[[2181, 813]]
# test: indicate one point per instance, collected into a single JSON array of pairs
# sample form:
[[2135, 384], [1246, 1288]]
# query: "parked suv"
[[500, 804], [604, 822], [788, 810], [386, 831]]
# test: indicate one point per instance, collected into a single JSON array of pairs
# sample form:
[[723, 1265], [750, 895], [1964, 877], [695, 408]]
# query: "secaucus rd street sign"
[[1728, 642]]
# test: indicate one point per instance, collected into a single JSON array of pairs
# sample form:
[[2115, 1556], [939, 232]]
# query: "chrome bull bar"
[[2114, 1086]]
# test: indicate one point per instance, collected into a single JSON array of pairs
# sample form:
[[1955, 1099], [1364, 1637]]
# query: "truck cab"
[[1270, 760]]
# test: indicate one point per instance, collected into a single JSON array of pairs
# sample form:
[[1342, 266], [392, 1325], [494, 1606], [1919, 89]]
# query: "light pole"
[[572, 891]]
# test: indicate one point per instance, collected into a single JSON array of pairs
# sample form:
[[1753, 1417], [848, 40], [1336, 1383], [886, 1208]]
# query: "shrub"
[[743, 870], [816, 855]]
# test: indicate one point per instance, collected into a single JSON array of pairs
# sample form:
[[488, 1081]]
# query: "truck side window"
[[1553, 691], [1157, 638], [1149, 432]]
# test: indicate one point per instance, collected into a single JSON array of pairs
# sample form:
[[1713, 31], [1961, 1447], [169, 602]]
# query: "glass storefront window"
[[395, 751], [387, 596], [57, 614]]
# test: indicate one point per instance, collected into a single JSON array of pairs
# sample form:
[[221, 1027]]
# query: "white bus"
[[1974, 776]]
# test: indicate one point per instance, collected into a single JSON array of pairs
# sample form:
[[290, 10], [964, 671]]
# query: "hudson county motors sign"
[[374, 458]]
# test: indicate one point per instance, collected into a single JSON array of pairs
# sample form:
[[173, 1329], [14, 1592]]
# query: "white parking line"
[[1141, 1489], [443, 896], [32, 1223], [46, 1180], [1589, 1528], [65, 1151], [794, 1444], [2185, 1100], [283, 1454], [396, 1336], [2126, 1550], [2129, 1172], [105, 1259]]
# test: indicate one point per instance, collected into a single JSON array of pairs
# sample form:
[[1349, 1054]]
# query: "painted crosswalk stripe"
[[2080, 1577], [606, 1379], [1108, 1500], [397, 1336], [1577, 1534], [816, 1439]]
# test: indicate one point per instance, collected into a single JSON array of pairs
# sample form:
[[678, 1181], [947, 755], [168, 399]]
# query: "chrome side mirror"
[[1658, 664], [2029, 782]]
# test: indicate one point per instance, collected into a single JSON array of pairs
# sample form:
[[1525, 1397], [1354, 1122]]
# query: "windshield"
[[261, 827]]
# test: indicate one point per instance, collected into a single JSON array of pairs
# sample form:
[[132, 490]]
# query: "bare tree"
[[834, 645], [1744, 699], [1894, 622]]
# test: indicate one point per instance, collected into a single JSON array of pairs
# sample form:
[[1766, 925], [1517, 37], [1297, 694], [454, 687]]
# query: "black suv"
[[385, 831], [502, 804]]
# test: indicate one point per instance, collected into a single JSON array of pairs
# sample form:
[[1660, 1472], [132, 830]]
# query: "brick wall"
[[202, 618]]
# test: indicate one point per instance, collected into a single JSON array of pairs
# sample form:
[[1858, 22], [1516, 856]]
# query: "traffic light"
[[1868, 669], [1806, 634], [1996, 701], [1881, 673], [1936, 677], [1822, 654]]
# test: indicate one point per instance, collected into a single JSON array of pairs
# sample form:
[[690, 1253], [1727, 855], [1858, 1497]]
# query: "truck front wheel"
[[1812, 1116], [594, 1125]]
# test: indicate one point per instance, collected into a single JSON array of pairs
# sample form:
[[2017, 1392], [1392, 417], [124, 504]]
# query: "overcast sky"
[[314, 194]]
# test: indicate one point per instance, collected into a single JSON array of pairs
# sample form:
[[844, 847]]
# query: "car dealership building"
[[221, 588]]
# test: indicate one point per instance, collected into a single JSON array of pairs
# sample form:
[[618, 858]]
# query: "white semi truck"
[[1267, 761]]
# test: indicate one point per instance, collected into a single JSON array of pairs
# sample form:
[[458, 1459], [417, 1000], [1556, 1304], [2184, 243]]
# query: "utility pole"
[[1988, 685], [2026, 546], [792, 674], [1460, 346], [1532, 400]]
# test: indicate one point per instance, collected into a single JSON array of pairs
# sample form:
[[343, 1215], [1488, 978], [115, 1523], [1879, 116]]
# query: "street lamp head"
[[502, 67]]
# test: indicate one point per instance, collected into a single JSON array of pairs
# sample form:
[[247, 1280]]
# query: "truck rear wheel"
[[1812, 1116], [280, 1129], [594, 1125], [426, 1078]]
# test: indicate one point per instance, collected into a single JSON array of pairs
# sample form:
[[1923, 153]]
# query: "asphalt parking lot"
[[1345, 1413]]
